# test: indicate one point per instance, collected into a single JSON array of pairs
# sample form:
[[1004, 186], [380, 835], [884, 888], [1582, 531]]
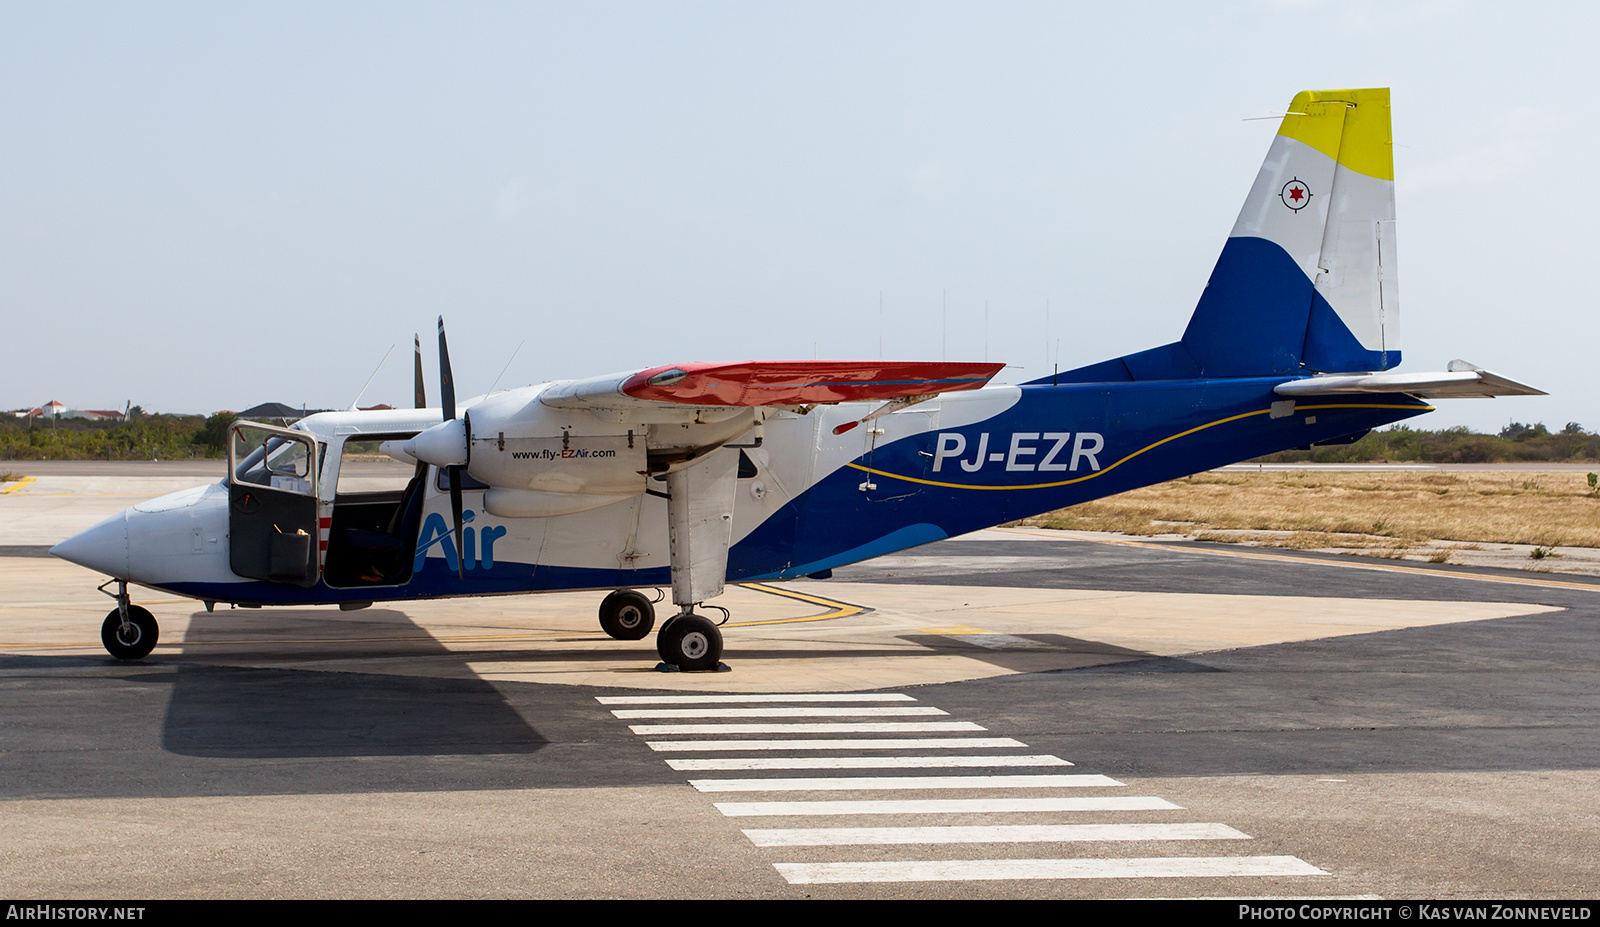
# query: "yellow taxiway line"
[[836, 608]]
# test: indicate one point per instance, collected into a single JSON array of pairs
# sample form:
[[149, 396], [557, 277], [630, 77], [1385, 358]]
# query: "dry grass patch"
[[1382, 510]]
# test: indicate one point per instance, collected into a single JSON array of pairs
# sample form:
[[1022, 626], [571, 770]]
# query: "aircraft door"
[[272, 503], [898, 443]]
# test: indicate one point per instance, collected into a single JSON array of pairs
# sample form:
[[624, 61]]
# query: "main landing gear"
[[690, 642], [627, 615], [129, 632], [687, 641], [699, 497]]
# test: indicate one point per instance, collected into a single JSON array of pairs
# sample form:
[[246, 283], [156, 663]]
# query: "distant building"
[[94, 415], [271, 412], [56, 410]]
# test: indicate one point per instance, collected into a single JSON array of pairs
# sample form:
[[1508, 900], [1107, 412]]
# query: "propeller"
[[421, 391], [447, 445], [421, 399], [447, 394]]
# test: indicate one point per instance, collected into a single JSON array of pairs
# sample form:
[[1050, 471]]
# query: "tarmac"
[[1016, 713]]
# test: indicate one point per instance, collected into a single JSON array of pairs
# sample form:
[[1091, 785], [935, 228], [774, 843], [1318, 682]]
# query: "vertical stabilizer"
[[1306, 282]]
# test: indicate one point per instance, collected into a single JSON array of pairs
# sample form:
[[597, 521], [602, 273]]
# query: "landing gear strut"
[[129, 632], [627, 615], [699, 530]]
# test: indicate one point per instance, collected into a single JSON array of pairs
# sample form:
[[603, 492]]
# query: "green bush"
[[164, 437]]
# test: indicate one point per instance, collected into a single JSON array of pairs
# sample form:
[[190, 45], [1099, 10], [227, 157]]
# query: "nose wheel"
[[690, 642], [130, 639]]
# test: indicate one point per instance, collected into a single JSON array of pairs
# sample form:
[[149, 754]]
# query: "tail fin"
[[1307, 278], [1306, 282]]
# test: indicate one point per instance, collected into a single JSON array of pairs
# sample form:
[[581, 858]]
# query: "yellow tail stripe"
[[1349, 126]]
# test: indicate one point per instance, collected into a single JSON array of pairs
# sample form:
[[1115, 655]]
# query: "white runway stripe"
[[861, 762], [732, 699], [963, 870], [754, 809], [996, 833], [827, 711], [819, 727], [905, 743], [730, 716], [878, 783]]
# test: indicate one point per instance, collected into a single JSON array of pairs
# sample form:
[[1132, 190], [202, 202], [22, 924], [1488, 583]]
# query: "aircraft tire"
[[691, 643], [627, 615], [661, 639], [138, 641]]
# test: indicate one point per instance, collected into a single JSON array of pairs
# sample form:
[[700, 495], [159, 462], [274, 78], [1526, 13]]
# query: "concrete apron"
[[805, 636]]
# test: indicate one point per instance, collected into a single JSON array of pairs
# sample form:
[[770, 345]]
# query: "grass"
[[7, 476], [1382, 511]]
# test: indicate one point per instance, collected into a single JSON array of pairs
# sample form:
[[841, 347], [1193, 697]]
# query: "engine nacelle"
[[529, 503], [520, 444]]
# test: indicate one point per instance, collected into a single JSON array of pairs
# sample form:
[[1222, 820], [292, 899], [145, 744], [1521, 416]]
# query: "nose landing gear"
[[129, 632]]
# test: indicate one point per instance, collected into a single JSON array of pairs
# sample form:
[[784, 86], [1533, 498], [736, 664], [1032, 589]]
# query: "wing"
[[767, 383]]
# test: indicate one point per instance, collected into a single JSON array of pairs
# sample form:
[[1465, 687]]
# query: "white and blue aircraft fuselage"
[[695, 475]]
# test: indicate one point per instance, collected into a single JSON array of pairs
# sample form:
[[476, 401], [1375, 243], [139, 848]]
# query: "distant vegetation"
[[1389, 513], [1515, 443], [145, 437], [174, 437]]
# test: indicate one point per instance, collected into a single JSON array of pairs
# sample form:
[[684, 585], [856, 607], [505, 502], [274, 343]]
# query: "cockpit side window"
[[272, 458]]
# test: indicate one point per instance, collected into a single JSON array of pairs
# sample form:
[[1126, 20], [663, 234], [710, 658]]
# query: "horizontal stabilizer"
[[1461, 381], [769, 383]]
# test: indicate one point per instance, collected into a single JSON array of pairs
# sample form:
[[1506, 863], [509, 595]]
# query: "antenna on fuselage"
[[506, 367], [369, 379]]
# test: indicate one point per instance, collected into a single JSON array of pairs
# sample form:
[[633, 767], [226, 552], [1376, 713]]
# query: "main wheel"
[[690, 642], [662, 636], [132, 641], [627, 615]]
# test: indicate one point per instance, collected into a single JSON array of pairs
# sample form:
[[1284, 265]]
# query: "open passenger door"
[[272, 503]]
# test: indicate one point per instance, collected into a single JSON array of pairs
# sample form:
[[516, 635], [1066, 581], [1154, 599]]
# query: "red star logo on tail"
[[1295, 195]]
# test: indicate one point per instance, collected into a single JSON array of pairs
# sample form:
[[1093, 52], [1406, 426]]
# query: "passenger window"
[[364, 468]]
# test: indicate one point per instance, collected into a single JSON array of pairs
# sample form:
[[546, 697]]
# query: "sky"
[[205, 206]]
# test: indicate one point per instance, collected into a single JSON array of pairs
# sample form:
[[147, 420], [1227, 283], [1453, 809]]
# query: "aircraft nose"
[[103, 548]]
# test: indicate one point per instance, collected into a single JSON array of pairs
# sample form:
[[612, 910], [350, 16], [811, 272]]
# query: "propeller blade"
[[455, 496], [455, 511], [447, 395], [422, 393], [447, 380]]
